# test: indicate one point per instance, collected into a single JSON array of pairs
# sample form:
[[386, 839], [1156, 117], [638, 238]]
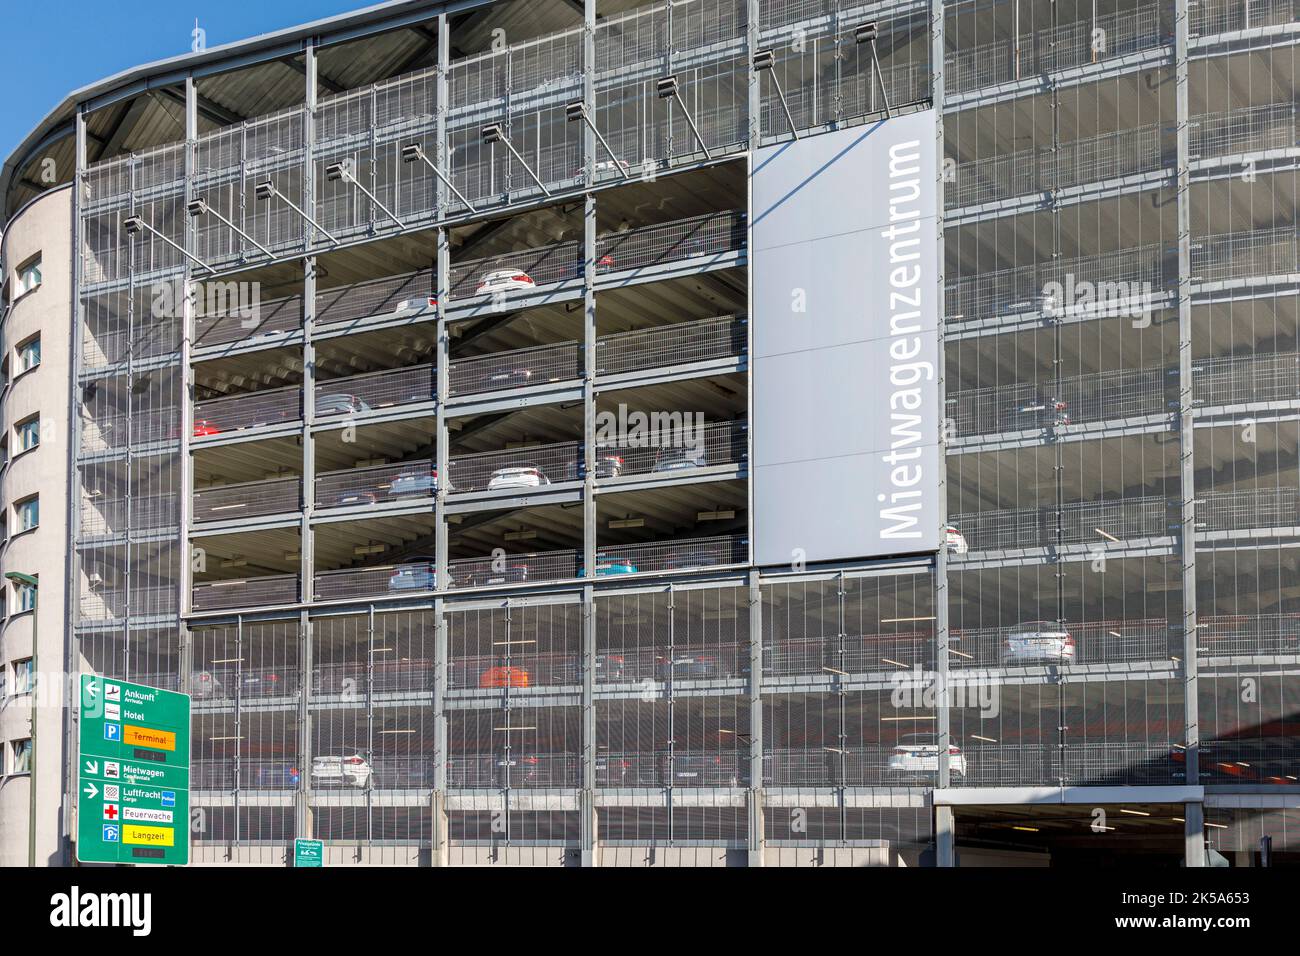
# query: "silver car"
[[1038, 642]]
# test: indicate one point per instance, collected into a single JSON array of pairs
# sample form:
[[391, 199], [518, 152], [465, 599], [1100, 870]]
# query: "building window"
[[29, 276], [23, 676], [29, 513], [4, 682], [23, 756], [29, 355], [26, 597], [29, 434]]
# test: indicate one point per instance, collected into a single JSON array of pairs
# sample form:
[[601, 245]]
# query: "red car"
[[203, 428], [504, 677]]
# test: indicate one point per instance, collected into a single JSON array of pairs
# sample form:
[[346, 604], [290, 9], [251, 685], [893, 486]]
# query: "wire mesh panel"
[[526, 748], [1230, 635], [528, 646], [1253, 508], [633, 638], [673, 555], [237, 412], [515, 369], [1253, 128], [247, 499], [395, 481], [1246, 378], [512, 569], [681, 343], [257, 319], [1077, 521], [246, 592], [1223, 16], [1244, 255], [670, 445], [360, 393], [544, 464], [383, 296]]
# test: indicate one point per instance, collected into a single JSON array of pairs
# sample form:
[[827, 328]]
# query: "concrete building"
[[363, 314]]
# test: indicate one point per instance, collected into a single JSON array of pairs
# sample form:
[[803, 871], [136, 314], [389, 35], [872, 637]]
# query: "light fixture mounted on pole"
[[764, 61], [200, 207], [577, 110], [134, 225], [266, 191], [414, 153], [868, 33], [342, 172], [668, 88], [492, 133]]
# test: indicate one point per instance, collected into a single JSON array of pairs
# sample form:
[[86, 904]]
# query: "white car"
[[517, 478], [504, 280], [955, 541], [917, 755], [350, 770], [1038, 642]]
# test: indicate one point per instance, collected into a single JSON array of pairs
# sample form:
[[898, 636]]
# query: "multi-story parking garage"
[[366, 314]]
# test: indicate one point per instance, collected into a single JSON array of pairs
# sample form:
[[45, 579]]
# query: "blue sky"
[[57, 46]]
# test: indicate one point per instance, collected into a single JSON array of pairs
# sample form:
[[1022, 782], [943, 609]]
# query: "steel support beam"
[[1186, 421], [757, 843]]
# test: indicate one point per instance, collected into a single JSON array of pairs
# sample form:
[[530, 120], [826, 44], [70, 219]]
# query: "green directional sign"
[[308, 853], [133, 764]]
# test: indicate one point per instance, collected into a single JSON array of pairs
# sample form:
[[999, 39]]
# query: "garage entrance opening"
[[1065, 835]]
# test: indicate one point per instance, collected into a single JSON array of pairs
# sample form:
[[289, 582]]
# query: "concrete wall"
[[45, 227]]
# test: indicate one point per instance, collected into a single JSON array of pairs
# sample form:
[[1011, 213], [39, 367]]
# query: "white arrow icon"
[[92, 689], [91, 791], [92, 766]]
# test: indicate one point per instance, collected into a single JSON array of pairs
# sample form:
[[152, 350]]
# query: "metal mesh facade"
[[1123, 398]]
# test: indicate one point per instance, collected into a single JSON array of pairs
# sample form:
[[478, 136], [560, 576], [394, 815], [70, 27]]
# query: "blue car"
[[612, 566]]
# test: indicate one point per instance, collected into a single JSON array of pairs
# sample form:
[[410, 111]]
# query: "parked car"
[[607, 466], [613, 771], [517, 477], [505, 677], [511, 377], [1038, 642], [611, 566], [690, 666], [917, 755], [677, 458], [340, 403], [513, 574], [610, 667], [955, 541], [1040, 411], [346, 770], [705, 770], [416, 305], [504, 280], [603, 264], [415, 481], [258, 683], [204, 428], [204, 685], [419, 575], [356, 498]]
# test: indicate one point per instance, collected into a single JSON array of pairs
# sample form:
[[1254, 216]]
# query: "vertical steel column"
[[306, 543], [589, 297], [757, 824], [588, 833], [72, 644], [588, 829], [185, 493], [1195, 843], [442, 285], [304, 820], [755, 105], [439, 855], [943, 836], [303, 823]]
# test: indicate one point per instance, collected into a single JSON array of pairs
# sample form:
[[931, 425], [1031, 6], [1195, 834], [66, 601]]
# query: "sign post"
[[133, 766], [308, 853]]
